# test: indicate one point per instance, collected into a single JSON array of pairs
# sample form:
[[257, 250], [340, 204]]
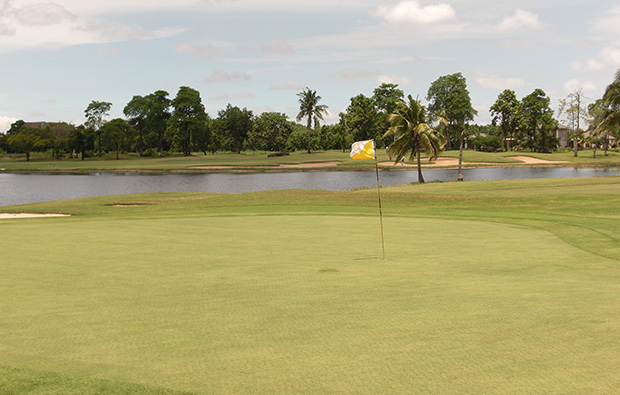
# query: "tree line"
[[156, 125]]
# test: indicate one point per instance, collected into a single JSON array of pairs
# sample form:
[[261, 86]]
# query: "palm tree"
[[309, 108], [607, 114], [408, 124]]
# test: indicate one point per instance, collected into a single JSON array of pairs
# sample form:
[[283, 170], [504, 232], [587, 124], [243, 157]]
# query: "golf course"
[[487, 287]]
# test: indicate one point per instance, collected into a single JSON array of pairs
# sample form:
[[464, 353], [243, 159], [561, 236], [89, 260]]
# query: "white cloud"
[[43, 14], [574, 84], [494, 82], [219, 76], [393, 79], [518, 20], [52, 25], [141, 6], [287, 86], [5, 123], [607, 58], [410, 11]]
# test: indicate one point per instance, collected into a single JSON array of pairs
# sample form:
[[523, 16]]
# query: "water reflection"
[[32, 188]]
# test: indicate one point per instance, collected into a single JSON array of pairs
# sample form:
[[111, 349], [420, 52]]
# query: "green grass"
[[488, 287], [258, 161], [132, 162]]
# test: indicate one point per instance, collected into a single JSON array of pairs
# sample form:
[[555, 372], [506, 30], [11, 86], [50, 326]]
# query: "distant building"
[[35, 125]]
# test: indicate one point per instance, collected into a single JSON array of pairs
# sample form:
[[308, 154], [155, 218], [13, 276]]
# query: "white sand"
[[534, 161], [27, 215]]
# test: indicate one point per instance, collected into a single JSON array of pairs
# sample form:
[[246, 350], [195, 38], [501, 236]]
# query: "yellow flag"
[[363, 150]]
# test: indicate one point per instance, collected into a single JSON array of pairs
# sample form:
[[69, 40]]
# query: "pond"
[[19, 188]]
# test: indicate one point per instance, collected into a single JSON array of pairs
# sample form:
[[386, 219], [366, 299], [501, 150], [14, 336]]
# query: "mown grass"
[[488, 287], [258, 161]]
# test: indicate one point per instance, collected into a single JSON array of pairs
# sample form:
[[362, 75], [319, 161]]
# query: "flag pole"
[[380, 210], [367, 150]]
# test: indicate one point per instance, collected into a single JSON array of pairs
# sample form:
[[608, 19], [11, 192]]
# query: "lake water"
[[19, 188]]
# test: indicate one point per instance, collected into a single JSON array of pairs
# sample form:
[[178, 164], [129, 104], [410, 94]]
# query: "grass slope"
[[489, 287]]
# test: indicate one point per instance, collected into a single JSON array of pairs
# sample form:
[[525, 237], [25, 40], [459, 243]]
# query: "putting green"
[[281, 304]]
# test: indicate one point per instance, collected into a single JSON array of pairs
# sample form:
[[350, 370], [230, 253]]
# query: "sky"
[[58, 56]]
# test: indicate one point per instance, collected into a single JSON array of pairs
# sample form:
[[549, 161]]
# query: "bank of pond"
[[24, 188]]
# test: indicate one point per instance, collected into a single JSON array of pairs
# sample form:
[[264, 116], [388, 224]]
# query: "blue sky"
[[58, 56]]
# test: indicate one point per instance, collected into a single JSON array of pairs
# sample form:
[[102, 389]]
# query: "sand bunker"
[[28, 215], [449, 162], [314, 165], [439, 162], [310, 165], [534, 161]]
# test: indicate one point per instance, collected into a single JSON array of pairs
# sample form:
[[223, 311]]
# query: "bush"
[[488, 143]]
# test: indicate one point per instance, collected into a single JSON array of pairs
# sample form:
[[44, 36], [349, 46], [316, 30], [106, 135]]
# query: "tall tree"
[[386, 96], [234, 125], [58, 133], [114, 132], [597, 113], [607, 112], [158, 112], [505, 112], [270, 132], [137, 113], [448, 97], [310, 108], [537, 122], [572, 106], [95, 114], [81, 140], [26, 141], [408, 123], [189, 117], [362, 119]]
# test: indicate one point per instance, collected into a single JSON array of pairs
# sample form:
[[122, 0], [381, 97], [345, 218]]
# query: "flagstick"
[[380, 211]]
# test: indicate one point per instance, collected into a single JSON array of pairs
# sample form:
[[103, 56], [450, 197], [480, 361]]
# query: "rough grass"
[[488, 287]]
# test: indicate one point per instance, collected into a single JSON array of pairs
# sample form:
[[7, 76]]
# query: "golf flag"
[[363, 150]]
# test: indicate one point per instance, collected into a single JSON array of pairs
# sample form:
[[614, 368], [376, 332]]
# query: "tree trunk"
[[576, 146], [139, 139], [575, 150], [460, 176], [309, 127], [606, 144], [420, 177]]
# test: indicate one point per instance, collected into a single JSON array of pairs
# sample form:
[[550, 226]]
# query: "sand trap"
[[282, 166], [310, 165], [439, 162], [27, 215], [534, 161]]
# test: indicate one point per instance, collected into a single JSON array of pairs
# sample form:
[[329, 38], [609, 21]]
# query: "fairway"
[[282, 292]]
